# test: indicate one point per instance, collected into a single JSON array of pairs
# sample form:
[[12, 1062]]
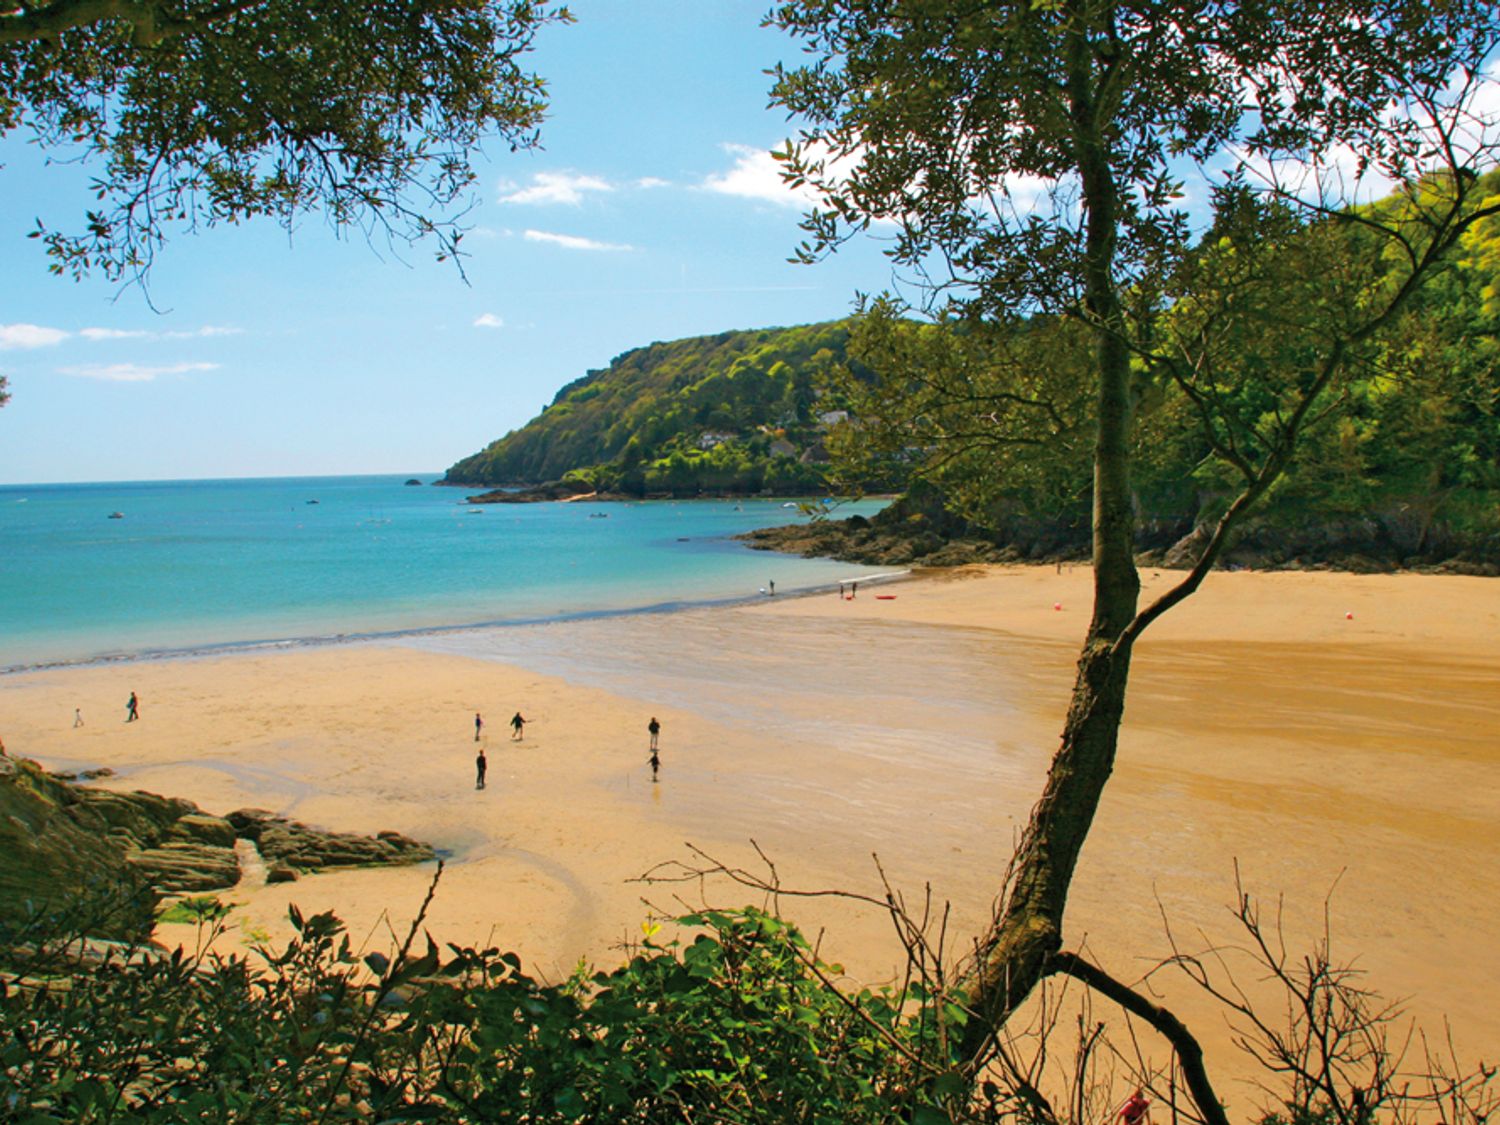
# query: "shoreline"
[[280, 644], [1264, 726]]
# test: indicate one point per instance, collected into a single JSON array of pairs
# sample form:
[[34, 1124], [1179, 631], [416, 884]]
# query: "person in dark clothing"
[[480, 768], [132, 709], [655, 728], [478, 725], [517, 726]]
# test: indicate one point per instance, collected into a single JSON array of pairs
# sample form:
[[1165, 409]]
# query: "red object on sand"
[[1057, 605], [885, 597]]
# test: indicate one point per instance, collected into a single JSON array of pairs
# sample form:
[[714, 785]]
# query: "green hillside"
[[994, 420], [737, 412]]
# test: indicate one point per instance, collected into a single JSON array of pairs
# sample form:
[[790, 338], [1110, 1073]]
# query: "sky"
[[652, 212]]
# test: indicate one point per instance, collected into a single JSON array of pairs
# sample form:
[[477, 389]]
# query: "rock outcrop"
[[56, 851], [287, 844], [62, 843]]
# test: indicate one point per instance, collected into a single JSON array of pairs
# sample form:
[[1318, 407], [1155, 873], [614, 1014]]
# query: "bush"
[[739, 1023]]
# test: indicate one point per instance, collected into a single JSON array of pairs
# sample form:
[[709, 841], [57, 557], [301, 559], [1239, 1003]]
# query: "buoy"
[[1057, 605]]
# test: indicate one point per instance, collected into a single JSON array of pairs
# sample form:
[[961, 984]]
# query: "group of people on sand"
[[517, 726], [518, 729], [481, 763], [132, 711]]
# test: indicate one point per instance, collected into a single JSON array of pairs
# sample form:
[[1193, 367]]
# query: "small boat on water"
[[116, 515], [312, 501], [598, 515]]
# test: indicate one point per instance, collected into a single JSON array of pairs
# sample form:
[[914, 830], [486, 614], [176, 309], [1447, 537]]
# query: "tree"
[[214, 111], [1029, 155]]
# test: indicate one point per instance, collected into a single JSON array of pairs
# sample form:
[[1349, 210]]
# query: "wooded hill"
[[739, 412], [994, 421], [1399, 465]]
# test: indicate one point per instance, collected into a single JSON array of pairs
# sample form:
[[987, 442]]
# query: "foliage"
[[737, 412], [736, 1019], [999, 416], [206, 112], [739, 1022]]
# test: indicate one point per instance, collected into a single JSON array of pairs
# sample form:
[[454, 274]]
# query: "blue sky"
[[652, 212]]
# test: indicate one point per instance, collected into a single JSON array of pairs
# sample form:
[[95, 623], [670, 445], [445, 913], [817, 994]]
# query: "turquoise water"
[[199, 564]]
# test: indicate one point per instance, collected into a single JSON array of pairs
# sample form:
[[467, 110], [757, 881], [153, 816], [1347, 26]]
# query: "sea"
[[114, 571]]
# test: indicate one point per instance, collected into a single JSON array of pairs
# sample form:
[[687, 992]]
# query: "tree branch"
[[1189, 1051]]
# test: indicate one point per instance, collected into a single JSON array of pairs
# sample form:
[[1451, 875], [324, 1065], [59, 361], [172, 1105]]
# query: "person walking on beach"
[[772, 584], [77, 717], [132, 708], [517, 727], [480, 768], [655, 730], [478, 725]]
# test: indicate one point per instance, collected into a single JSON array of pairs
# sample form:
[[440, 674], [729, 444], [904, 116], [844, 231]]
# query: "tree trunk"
[[1012, 956]]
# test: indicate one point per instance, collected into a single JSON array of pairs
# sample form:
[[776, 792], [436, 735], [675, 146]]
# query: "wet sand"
[[1322, 753]]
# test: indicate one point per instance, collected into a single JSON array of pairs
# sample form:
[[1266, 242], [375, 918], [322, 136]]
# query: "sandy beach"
[[1266, 726]]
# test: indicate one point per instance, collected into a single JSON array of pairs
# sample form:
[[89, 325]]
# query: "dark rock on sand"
[[287, 843], [204, 829], [62, 843], [180, 867]]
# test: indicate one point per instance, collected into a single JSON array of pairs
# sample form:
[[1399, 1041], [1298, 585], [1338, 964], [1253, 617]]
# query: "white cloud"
[[488, 320], [572, 241], [647, 182], [554, 187], [133, 372], [205, 332], [29, 336], [756, 175], [113, 333]]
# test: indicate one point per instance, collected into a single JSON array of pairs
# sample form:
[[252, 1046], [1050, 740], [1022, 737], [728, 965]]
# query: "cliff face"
[[62, 843]]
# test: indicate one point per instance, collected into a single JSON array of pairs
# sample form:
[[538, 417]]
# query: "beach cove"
[[1321, 751]]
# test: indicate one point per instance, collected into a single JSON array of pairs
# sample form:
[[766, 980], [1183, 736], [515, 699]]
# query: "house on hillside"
[[782, 447], [708, 439], [815, 454], [833, 417]]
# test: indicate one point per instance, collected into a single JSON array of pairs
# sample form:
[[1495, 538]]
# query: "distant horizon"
[[219, 479]]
